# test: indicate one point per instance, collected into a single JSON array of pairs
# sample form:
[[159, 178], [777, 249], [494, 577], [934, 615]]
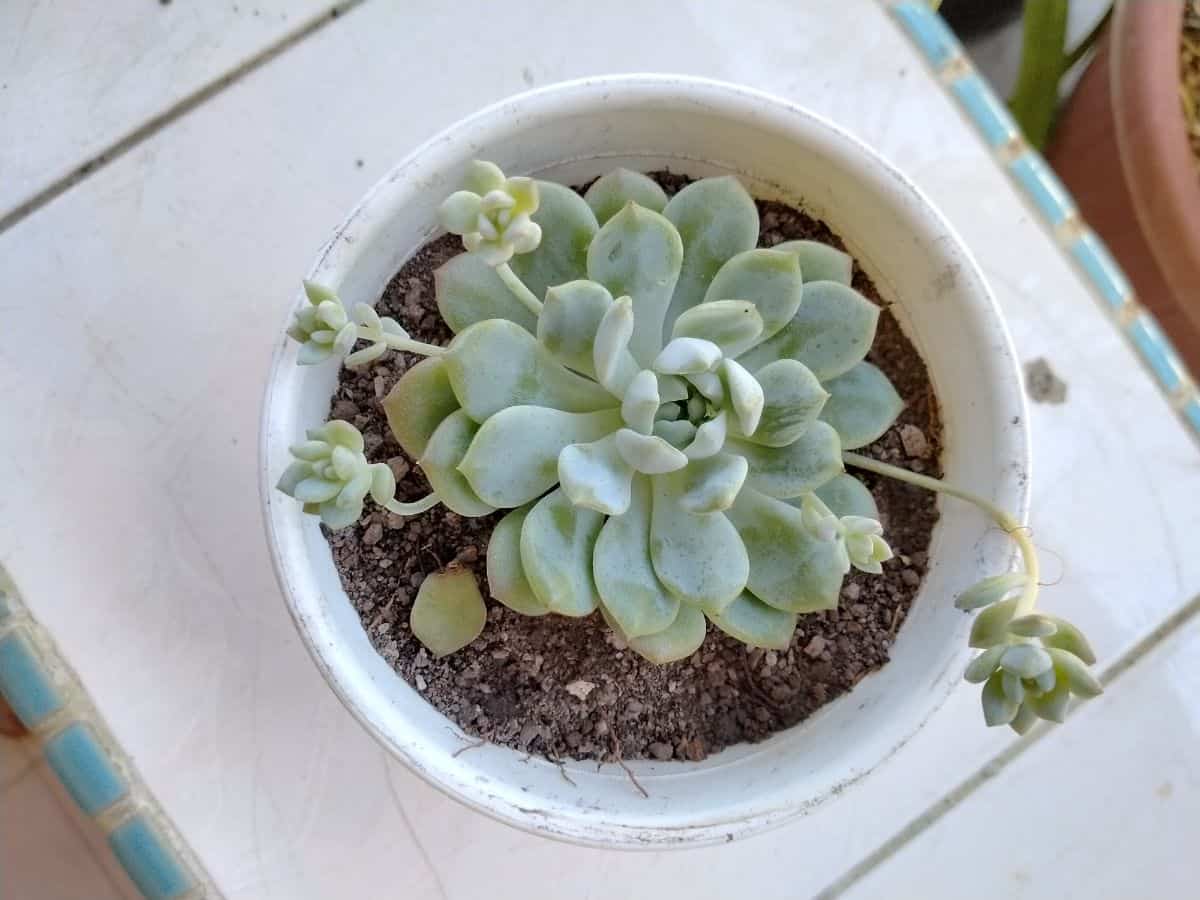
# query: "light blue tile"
[[25, 683], [1156, 350], [150, 861], [84, 768], [1101, 269], [1043, 187], [985, 110], [1191, 413], [928, 31]]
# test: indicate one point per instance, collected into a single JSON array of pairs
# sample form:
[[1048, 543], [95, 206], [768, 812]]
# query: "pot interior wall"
[[780, 153]]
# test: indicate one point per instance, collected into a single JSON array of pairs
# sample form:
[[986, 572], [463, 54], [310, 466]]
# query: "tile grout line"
[[937, 810], [175, 111]]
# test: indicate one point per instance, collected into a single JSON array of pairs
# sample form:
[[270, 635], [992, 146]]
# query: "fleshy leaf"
[[845, 495], [862, 405], [1025, 660], [449, 611], [1074, 671], [469, 291], [595, 475], [514, 456], [745, 395], [557, 541], [1025, 718], [649, 454], [638, 253], [830, 333], [568, 322], [679, 434], [440, 461], [687, 356], [482, 177], [678, 640], [1033, 625], [998, 709], [641, 401], [820, 262], [767, 278], [716, 219], [495, 364], [568, 226], [991, 590], [789, 568], [610, 193], [630, 592], [418, 403], [697, 556], [710, 437], [1052, 705], [804, 465], [980, 669], [733, 325], [1071, 639], [712, 484], [756, 624], [793, 398], [991, 626], [505, 572]]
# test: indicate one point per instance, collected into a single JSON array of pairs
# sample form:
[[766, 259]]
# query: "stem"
[[402, 343], [1013, 528], [412, 509], [517, 286], [1035, 98]]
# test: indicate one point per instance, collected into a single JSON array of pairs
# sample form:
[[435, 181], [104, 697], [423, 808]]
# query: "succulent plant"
[[664, 408]]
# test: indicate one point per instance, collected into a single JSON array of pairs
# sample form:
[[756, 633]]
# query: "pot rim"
[[1151, 137], [708, 94]]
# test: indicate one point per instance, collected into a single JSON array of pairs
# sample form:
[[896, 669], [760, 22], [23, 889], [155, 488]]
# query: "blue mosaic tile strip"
[[25, 684], [79, 755], [85, 769], [1102, 270], [1051, 199], [149, 859]]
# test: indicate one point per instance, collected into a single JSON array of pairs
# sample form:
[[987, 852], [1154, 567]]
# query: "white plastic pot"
[[572, 132]]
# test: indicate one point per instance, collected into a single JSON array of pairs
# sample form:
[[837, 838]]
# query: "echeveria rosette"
[[1031, 663], [493, 213], [658, 417], [330, 475]]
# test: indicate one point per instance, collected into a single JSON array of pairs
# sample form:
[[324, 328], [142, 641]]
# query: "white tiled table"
[[141, 304]]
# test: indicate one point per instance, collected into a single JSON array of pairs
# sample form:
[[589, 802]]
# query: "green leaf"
[[505, 572], [990, 590], [557, 541], [469, 291], [629, 590], [831, 332], [793, 398], [991, 626], [845, 495], [767, 278], [568, 322], [717, 220], [1072, 669], [804, 465], [862, 405], [980, 669], [1025, 718], [568, 227], [595, 475], [712, 484], [1052, 705], [1033, 625], [449, 611], [733, 325], [998, 708], [638, 254], [1070, 639], [820, 262], [697, 556], [514, 456], [752, 622], [440, 461], [1025, 660], [678, 640], [418, 403], [612, 192], [495, 364], [789, 568]]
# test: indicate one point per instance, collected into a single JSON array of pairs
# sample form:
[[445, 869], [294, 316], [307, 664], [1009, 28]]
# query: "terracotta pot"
[[1121, 148]]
